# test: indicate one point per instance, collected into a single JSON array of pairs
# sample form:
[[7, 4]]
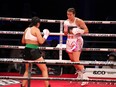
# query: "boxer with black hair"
[[32, 38]]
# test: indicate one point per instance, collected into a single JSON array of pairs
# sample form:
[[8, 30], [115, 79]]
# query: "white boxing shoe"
[[81, 75]]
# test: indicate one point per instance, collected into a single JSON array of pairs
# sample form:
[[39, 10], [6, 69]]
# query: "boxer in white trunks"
[[74, 28]]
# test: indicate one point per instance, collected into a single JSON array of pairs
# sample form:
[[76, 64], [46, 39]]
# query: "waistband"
[[71, 36], [32, 46]]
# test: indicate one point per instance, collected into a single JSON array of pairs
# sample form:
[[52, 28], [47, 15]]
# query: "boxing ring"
[[92, 73]]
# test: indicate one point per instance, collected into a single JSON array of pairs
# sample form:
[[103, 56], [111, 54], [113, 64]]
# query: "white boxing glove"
[[46, 33], [77, 31]]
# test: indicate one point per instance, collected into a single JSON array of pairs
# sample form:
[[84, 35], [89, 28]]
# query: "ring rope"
[[58, 48], [90, 34], [54, 21], [57, 62], [100, 42], [20, 32], [7, 39], [18, 40], [53, 78]]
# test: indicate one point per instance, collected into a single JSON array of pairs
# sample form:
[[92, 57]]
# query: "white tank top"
[[29, 36], [73, 24]]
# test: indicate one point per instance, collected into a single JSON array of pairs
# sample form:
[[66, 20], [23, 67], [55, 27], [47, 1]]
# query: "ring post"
[[61, 40]]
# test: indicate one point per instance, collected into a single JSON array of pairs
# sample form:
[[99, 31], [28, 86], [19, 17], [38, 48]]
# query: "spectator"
[[112, 58]]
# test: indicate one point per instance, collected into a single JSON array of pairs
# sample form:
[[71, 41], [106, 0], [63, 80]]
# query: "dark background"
[[56, 9]]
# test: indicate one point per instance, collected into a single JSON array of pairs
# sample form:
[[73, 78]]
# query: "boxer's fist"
[[46, 33], [77, 31]]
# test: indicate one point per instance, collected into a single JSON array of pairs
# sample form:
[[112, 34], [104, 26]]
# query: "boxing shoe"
[[81, 75]]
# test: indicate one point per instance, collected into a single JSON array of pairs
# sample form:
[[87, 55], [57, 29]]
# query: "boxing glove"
[[77, 31], [46, 33]]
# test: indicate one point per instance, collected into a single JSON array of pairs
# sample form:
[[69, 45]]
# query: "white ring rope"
[[54, 21], [53, 78], [57, 34], [106, 42], [100, 22], [58, 48], [20, 32], [57, 62]]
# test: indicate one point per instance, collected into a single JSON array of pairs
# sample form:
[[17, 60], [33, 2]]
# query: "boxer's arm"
[[23, 38], [41, 39], [82, 25], [65, 28]]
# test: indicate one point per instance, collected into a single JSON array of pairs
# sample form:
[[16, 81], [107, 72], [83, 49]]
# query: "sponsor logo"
[[4, 82], [99, 72]]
